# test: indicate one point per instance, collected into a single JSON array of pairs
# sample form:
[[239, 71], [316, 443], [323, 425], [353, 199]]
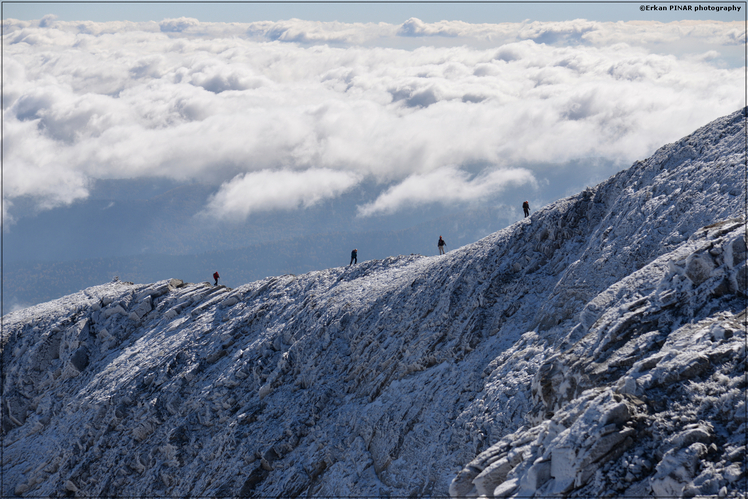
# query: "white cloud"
[[35, 168], [446, 185], [212, 102], [582, 31], [268, 190], [298, 30], [416, 27], [178, 25], [644, 33]]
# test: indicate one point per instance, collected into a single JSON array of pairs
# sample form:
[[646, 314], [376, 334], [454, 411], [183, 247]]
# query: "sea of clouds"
[[282, 115]]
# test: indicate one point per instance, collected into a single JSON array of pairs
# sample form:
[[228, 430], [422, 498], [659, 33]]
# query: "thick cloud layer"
[[283, 114], [277, 190]]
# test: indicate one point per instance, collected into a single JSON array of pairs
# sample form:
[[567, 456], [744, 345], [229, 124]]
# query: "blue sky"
[[393, 12]]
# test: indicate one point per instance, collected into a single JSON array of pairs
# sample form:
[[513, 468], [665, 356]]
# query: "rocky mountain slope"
[[596, 348]]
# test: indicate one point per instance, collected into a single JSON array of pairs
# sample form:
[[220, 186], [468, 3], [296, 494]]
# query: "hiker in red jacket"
[[526, 207], [216, 276]]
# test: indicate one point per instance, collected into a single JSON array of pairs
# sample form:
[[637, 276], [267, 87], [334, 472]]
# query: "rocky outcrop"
[[615, 414], [588, 350]]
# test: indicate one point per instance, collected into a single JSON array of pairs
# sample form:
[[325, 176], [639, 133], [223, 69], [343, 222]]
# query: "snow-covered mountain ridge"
[[596, 348]]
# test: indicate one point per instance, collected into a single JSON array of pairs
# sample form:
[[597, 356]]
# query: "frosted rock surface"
[[589, 350]]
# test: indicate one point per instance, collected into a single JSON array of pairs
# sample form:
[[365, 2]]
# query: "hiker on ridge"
[[441, 245], [216, 276], [526, 207], [354, 257]]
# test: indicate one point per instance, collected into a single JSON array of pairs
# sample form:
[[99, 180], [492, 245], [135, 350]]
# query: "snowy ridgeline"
[[594, 349]]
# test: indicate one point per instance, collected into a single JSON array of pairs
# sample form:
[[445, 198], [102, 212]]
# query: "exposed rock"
[[117, 309], [596, 361], [79, 359], [699, 268], [142, 308], [676, 470]]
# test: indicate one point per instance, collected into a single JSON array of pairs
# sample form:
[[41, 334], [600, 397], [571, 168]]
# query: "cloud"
[[268, 190], [301, 31], [576, 31], [646, 33], [225, 102], [8, 218], [178, 25], [416, 27], [582, 31], [446, 186], [47, 21]]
